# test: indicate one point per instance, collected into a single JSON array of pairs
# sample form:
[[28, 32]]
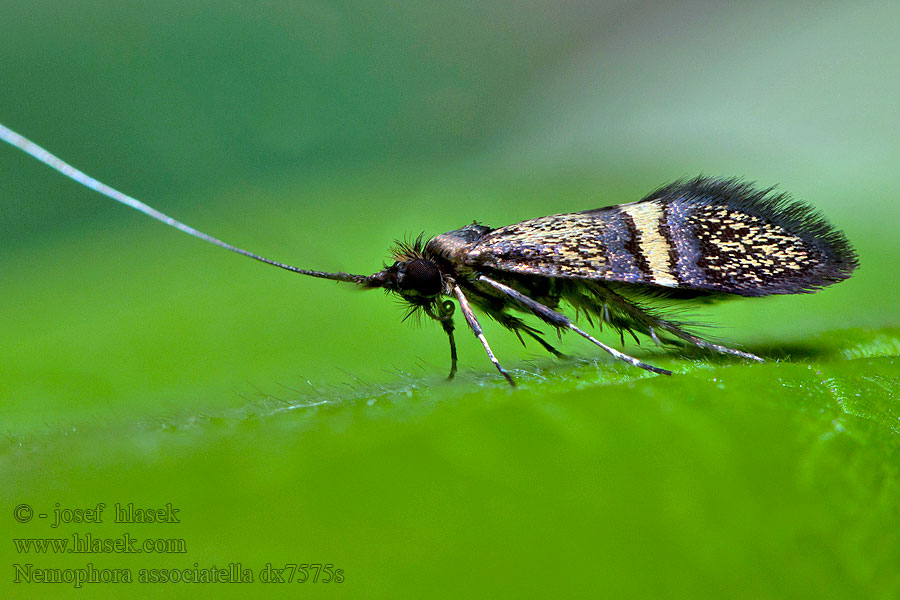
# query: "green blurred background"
[[294, 420]]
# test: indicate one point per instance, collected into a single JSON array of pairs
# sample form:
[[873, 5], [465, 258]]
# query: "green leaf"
[[727, 478]]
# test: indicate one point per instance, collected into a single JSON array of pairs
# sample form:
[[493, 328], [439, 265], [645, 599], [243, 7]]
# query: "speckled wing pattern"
[[706, 234]]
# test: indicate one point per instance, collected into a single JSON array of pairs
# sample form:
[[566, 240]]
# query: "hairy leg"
[[476, 329], [518, 326], [559, 320], [445, 318], [650, 323]]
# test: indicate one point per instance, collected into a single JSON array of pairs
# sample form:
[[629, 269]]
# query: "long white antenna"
[[26, 145]]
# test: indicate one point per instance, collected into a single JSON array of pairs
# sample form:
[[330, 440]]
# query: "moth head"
[[417, 280]]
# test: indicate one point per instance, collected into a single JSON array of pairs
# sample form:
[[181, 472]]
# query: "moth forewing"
[[720, 236]]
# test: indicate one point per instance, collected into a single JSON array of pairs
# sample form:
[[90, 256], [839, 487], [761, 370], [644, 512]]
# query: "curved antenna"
[[54, 162]]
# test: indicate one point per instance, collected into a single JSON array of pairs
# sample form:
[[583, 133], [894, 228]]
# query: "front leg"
[[445, 317]]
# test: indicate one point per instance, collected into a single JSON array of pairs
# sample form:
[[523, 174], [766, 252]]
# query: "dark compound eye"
[[422, 277]]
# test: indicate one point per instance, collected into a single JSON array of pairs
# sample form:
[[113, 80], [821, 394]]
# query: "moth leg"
[[517, 325], [700, 342], [546, 345], [445, 318], [651, 321], [597, 304], [476, 329], [559, 320]]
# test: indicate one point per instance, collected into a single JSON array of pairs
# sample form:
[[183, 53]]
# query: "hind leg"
[[645, 321]]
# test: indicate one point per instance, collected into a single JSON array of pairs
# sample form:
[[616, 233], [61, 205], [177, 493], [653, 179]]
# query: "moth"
[[704, 238]]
